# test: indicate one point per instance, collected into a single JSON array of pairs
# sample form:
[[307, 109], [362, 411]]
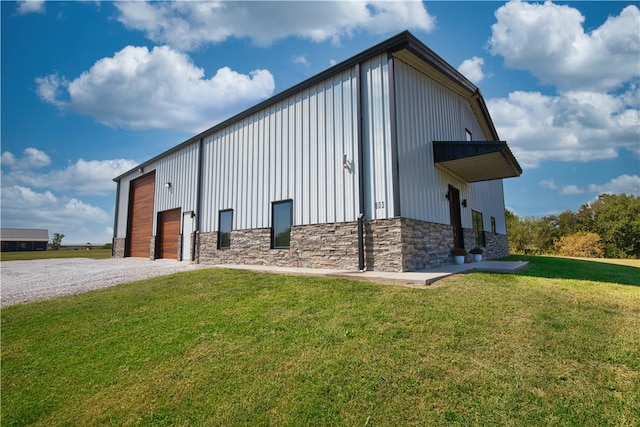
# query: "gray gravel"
[[22, 281]]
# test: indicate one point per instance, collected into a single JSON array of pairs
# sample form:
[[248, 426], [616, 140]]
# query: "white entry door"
[[188, 223]]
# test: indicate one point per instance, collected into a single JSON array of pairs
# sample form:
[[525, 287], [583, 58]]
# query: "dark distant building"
[[24, 239]]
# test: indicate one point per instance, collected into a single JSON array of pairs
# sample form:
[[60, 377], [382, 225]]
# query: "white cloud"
[[629, 184], [157, 89], [54, 199], [50, 88], [300, 59], [84, 177], [189, 25], [76, 209], [32, 158], [472, 69], [549, 41], [22, 198], [564, 190], [573, 126], [30, 6], [24, 208]]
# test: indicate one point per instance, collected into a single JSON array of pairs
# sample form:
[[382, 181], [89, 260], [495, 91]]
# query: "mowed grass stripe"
[[218, 347]]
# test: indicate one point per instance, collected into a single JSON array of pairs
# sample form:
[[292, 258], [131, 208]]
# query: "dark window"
[[281, 214], [469, 136], [478, 227], [493, 224], [225, 221]]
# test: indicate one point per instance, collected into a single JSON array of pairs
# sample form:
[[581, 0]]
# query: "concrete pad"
[[413, 278]]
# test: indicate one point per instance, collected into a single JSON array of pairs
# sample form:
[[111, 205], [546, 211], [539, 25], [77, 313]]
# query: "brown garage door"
[[168, 233], [141, 215]]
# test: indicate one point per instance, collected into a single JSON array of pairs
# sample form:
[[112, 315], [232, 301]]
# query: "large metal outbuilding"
[[386, 161]]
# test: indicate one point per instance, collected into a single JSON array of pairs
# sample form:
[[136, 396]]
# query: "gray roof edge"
[[400, 41], [33, 234], [396, 41]]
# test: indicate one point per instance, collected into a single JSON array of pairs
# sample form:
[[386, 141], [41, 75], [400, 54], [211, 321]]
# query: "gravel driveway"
[[23, 281]]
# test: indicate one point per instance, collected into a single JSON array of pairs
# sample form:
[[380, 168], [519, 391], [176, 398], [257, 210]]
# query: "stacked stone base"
[[396, 244], [333, 246], [118, 248], [401, 244]]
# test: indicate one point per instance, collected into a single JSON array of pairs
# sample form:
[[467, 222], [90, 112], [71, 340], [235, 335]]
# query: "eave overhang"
[[475, 161]]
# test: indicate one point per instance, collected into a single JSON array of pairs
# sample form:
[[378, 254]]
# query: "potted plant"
[[477, 254], [459, 255]]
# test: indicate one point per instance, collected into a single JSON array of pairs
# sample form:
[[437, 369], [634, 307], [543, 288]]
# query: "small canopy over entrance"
[[475, 161]]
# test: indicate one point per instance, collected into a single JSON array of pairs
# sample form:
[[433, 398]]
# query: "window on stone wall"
[[478, 227], [493, 224], [225, 221], [281, 216]]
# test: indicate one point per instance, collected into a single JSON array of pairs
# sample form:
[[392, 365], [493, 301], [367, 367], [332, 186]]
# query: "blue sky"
[[90, 89]]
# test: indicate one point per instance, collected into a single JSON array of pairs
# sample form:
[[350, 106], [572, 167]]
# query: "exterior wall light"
[[346, 163], [167, 184], [464, 203]]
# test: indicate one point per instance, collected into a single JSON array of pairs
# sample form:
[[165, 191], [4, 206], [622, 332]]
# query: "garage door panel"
[[141, 203], [168, 233]]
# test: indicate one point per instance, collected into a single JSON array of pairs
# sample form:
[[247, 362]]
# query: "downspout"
[[196, 232], [361, 183], [115, 220]]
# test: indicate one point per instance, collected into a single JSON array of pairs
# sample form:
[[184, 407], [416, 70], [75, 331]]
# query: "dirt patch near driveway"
[[23, 281]]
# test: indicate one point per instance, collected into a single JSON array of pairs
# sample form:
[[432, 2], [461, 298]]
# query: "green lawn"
[[547, 346], [63, 253]]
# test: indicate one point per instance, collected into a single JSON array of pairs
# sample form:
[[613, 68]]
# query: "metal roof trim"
[[403, 40], [394, 43]]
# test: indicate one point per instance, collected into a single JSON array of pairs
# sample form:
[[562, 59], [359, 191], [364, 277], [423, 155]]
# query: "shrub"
[[580, 244]]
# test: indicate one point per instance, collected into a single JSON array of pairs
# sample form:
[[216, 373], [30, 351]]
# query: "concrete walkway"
[[415, 278]]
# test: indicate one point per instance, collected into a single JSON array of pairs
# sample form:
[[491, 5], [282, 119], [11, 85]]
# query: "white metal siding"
[[291, 150], [427, 111], [377, 138], [181, 170], [488, 197]]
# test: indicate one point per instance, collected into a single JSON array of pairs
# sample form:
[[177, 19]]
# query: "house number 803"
[[379, 205]]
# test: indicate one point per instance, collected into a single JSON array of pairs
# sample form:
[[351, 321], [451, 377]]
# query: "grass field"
[[63, 253], [557, 344]]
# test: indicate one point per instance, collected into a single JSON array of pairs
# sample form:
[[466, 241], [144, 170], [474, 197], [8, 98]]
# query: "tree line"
[[607, 227]]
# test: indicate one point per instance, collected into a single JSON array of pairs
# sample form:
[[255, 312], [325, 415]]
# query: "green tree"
[[616, 218], [520, 232], [56, 240], [545, 232]]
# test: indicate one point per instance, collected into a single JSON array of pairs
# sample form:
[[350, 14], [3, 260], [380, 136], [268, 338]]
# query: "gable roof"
[[404, 41], [24, 234]]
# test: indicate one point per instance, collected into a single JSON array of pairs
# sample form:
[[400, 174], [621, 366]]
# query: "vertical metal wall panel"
[[179, 168], [427, 111], [290, 150], [123, 207], [488, 197], [377, 138]]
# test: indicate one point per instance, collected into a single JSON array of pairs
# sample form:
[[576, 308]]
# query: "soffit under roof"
[[476, 161]]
